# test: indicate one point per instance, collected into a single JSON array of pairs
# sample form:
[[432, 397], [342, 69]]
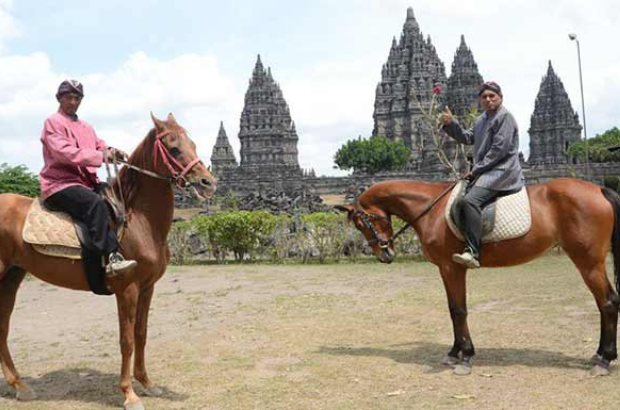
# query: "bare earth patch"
[[337, 337]]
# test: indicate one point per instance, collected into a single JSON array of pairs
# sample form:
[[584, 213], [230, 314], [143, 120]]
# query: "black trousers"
[[470, 213], [87, 207]]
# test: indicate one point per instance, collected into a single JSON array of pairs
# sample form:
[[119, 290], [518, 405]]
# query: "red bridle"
[[178, 173]]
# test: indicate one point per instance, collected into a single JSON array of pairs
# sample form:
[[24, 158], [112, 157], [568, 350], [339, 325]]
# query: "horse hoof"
[[154, 392], [599, 370], [27, 395], [450, 361], [134, 406], [596, 359], [462, 369]]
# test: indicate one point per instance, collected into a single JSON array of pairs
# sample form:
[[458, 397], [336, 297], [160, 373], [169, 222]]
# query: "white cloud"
[[330, 103], [8, 26], [116, 103], [331, 91]]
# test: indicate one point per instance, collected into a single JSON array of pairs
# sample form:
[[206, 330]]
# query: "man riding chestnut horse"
[[581, 217], [165, 160]]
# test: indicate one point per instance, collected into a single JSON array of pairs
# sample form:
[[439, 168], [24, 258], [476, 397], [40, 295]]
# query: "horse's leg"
[[8, 289], [139, 367], [607, 302], [453, 277], [127, 300]]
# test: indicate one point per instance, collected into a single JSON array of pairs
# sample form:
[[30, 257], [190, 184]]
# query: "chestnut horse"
[[581, 217], [165, 156]]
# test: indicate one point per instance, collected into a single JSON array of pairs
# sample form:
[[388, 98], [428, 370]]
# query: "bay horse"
[[166, 156], [581, 217]]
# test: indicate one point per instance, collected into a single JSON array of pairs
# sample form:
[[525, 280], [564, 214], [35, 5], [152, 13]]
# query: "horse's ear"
[[171, 119], [344, 208], [159, 124]]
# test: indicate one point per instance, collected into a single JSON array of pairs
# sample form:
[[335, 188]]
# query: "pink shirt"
[[71, 154]]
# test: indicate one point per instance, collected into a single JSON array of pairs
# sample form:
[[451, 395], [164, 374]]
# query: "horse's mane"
[[403, 188], [141, 157]]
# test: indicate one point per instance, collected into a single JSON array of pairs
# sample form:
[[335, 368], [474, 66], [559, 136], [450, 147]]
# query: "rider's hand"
[[121, 154], [468, 177], [111, 153], [446, 116]]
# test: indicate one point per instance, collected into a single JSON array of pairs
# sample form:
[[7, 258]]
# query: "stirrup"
[[117, 264], [466, 258]]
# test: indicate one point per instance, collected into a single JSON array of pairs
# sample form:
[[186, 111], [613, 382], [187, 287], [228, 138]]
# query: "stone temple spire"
[[411, 25], [222, 158], [268, 139], [461, 95], [463, 83], [554, 125], [404, 93], [258, 68]]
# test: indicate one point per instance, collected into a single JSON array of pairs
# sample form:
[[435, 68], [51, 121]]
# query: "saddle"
[[505, 218], [56, 234]]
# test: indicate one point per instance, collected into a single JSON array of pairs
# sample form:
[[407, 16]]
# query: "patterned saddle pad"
[[507, 218], [51, 233]]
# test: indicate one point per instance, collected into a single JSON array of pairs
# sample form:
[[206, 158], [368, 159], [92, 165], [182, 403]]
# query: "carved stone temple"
[[266, 130], [223, 161], [461, 93], [554, 124], [268, 156], [268, 159], [405, 94]]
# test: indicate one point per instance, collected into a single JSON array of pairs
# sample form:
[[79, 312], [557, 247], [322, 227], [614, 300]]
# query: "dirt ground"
[[340, 337]]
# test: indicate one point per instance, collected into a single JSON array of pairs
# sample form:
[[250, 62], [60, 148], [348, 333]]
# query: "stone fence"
[[343, 185]]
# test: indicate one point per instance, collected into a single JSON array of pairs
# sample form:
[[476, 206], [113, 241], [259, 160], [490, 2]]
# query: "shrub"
[[179, 243], [243, 233]]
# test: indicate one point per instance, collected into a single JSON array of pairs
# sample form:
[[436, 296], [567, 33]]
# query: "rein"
[[383, 243], [178, 175], [177, 178]]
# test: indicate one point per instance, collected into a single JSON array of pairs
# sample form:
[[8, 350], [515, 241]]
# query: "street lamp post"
[[573, 36]]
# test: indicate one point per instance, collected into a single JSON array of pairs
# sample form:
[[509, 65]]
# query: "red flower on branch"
[[437, 88]]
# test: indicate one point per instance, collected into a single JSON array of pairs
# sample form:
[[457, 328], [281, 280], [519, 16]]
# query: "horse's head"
[[376, 228], [175, 149]]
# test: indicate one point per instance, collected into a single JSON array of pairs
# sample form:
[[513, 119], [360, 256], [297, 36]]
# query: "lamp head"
[[572, 36]]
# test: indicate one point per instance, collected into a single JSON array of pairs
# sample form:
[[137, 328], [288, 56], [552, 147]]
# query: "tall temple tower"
[[223, 159], [554, 123], [462, 96], [267, 132], [405, 93], [463, 83]]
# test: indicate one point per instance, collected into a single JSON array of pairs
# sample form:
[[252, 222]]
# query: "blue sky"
[[194, 58]]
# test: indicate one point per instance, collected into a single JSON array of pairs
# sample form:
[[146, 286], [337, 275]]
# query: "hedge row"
[[260, 235]]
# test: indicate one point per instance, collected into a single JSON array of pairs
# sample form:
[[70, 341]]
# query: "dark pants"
[[87, 207], [470, 213]]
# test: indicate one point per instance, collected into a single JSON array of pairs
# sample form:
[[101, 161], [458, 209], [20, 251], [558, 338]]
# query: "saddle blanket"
[[508, 217], [51, 233]]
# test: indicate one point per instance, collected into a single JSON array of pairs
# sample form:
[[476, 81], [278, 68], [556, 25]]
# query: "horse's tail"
[[614, 199]]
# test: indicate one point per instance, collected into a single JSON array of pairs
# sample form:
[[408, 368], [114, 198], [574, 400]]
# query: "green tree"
[[597, 147], [18, 180], [372, 155]]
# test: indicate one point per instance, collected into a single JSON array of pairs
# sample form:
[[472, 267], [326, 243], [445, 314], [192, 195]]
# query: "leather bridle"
[[365, 218], [177, 170], [385, 243]]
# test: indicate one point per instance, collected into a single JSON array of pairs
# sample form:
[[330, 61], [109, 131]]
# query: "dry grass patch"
[[346, 337]]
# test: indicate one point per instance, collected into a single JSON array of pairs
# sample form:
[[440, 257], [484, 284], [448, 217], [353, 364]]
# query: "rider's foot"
[[466, 258], [118, 264]]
